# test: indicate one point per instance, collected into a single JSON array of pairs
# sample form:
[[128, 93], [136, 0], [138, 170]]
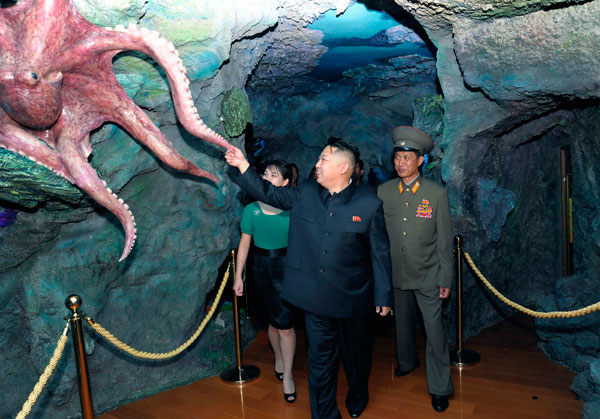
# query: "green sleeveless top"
[[268, 231]]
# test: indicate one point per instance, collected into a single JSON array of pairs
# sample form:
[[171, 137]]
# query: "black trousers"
[[327, 339]]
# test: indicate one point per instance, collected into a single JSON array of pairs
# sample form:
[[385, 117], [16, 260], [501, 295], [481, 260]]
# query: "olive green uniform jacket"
[[417, 218]]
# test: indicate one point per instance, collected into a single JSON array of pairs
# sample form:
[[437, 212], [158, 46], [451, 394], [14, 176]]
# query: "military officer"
[[417, 218]]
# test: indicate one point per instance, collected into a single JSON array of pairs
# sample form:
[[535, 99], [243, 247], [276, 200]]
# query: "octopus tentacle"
[[134, 120], [86, 178], [165, 53], [119, 108], [57, 85], [20, 141]]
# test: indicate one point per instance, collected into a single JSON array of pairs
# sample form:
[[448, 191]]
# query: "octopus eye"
[[34, 75]]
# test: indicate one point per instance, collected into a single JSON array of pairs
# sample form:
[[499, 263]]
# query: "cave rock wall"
[[54, 241], [519, 82]]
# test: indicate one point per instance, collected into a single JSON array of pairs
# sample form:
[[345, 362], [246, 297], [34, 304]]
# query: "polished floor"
[[513, 380]]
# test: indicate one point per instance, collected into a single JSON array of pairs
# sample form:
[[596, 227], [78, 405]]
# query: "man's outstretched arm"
[[234, 157], [279, 197]]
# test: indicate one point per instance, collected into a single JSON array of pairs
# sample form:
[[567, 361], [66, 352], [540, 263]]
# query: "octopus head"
[[31, 98]]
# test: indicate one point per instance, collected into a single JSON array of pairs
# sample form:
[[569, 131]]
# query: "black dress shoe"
[[439, 403], [401, 373], [355, 413]]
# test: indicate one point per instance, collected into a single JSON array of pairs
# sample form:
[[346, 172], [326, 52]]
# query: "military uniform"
[[417, 218]]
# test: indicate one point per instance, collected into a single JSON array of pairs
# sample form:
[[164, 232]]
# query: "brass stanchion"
[[240, 374], [461, 357], [73, 302]]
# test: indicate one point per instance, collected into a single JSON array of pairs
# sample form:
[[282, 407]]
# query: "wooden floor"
[[513, 380]]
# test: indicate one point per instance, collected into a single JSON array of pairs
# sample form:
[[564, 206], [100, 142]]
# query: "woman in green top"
[[269, 227]]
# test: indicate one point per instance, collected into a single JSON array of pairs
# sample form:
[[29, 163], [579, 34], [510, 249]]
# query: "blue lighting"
[[356, 21], [7, 217], [360, 37]]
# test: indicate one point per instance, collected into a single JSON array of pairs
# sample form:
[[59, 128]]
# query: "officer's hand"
[[444, 292], [234, 157], [382, 311]]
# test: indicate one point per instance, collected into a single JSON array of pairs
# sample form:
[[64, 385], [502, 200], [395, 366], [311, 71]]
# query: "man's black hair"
[[344, 146]]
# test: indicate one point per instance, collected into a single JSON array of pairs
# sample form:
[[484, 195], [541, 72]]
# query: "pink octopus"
[[57, 85]]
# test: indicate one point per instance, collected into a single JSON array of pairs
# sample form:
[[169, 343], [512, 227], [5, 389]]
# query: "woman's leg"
[[287, 341], [273, 333]]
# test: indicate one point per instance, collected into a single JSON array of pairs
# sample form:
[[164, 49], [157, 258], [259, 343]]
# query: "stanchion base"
[[464, 358], [244, 375]]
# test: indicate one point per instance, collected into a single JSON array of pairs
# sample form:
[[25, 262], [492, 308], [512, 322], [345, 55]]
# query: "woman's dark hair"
[[283, 167]]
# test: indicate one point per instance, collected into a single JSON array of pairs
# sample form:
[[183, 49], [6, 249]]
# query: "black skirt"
[[267, 274]]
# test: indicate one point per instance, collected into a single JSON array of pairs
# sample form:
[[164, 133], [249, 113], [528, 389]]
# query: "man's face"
[[328, 166], [407, 164]]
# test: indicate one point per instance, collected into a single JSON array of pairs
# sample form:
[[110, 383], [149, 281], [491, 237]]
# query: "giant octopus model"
[[57, 85]]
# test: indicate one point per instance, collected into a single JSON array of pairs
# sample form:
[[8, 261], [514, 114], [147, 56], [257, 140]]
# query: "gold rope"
[[60, 346], [163, 355], [548, 315]]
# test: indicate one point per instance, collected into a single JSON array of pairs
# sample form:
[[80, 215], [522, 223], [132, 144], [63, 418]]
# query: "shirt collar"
[[346, 193], [415, 185]]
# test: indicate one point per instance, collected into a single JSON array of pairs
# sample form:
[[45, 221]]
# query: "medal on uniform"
[[424, 210]]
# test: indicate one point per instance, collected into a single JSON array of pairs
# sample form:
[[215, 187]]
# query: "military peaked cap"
[[412, 139]]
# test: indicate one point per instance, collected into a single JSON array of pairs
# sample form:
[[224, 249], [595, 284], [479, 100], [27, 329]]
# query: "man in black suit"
[[337, 269]]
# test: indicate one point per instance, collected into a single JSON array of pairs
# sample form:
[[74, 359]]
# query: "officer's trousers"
[[437, 357], [327, 339]]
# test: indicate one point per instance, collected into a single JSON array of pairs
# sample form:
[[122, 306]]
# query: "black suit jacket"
[[338, 259]]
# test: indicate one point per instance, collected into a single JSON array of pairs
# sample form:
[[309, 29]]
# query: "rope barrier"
[[37, 389], [544, 315], [163, 355]]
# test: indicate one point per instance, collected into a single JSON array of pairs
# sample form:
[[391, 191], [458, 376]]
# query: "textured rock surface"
[[510, 102], [510, 99], [391, 36], [236, 111], [539, 53], [61, 243], [493, 138], [28, 184], [576, 342], [361, 107], [438, 13]]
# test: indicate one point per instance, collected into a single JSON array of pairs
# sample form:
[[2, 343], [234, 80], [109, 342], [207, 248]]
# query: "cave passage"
[[354, 76]]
